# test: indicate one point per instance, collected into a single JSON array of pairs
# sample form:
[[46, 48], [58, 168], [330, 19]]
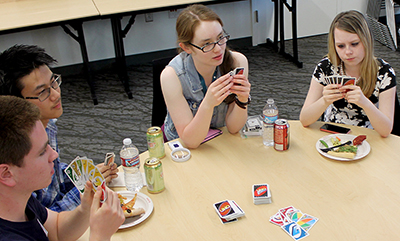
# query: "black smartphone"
[[334, 129]]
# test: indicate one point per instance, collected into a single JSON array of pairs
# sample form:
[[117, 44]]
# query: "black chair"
[[396, 119], [159, 110]]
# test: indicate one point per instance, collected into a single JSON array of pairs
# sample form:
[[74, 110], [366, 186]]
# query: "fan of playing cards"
[[81, 170], [294, 222], [339, 79]]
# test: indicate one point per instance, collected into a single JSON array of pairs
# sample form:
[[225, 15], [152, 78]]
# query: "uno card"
[[95, 177], [79, 163], [261, 191], [279, 219], [84, 166], [238, 70], [76, 179], [75, 167], [335, 79], [224, 209], [349, 80], [307, 222], [81, 170], [224, 221], [109, 159], [237, 209], [294, 231], [104, 193], [287, 209], [339, 79], [330, 80], [325, 80], [294, 215]]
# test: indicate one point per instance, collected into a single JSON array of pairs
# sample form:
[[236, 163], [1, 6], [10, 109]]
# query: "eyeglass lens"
[[221, 41], [46, 92]]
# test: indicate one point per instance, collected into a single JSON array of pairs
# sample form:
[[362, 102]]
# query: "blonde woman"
[[369, 103]]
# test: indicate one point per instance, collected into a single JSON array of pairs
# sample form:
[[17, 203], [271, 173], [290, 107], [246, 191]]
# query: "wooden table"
[[27, 13], [356, 200], [23, 15], [108, 7]]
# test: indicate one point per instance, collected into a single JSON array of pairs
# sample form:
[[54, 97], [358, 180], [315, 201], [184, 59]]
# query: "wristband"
[[242, 104]]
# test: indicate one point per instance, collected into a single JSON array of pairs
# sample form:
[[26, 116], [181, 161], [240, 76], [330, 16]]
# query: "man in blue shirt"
[[25, 73]]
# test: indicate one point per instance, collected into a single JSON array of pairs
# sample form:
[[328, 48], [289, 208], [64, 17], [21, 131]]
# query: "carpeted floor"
[[92, 131]]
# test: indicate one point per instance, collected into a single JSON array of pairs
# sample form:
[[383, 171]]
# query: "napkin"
[[120, 180]]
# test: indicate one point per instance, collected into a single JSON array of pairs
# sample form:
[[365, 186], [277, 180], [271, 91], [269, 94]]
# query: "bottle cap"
[[270, 101], [127, 141], [180, 154]]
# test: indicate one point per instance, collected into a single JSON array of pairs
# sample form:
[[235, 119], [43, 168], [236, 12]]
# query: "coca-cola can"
[[281, 135]]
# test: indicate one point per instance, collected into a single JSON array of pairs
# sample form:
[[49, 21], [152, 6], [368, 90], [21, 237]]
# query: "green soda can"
[[155, 142], [154, 175]]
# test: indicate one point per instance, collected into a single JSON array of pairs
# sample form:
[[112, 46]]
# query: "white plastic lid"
[[270, 101], [180, 154], [127, 141]]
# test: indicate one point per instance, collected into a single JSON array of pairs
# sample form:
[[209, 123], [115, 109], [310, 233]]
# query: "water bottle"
[[130, 161], [270, 115]]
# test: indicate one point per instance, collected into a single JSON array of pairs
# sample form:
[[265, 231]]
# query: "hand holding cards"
[[81, 170], [340, 80]]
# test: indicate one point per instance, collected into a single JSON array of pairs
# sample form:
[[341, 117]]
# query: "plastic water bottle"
[[270, 115], [130, 161]]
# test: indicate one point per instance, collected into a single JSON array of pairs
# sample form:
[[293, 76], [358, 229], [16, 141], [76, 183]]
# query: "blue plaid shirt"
[[61, 194]]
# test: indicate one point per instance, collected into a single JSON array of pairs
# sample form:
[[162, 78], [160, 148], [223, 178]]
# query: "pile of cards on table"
[[261, 194], [294, 222], [340, 79], [81, 170], [228, 211]]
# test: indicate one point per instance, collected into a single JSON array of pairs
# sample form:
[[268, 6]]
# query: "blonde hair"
[[354, 22], [189, 19]]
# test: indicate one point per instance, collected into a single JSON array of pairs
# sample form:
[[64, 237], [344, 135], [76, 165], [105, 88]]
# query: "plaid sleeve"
[[61, 194]]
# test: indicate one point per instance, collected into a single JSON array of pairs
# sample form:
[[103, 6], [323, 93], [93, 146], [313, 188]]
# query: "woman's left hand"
[[241, 87], [353, 94]]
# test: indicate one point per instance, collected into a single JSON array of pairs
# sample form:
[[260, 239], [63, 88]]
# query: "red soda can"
[[281, 135]]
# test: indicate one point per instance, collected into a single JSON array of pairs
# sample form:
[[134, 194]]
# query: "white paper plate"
[[362, 150], [142, 201]]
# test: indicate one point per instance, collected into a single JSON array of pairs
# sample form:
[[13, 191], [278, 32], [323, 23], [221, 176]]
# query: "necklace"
[[343, 72]]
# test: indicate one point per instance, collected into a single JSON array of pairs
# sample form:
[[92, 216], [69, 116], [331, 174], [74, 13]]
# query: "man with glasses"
[[25, 73]]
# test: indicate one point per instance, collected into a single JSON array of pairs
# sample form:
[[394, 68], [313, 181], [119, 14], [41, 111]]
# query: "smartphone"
[[334, 129]]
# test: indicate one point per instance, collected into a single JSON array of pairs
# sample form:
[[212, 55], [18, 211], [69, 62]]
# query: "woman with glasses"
[[198, 90]]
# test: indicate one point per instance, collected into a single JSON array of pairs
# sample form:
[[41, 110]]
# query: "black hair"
[[19, 61]]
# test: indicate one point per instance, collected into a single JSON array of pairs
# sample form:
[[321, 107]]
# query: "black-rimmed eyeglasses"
[[44, 94], [210, 46]]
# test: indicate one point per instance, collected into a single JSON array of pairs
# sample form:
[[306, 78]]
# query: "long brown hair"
[[187, 22], [354, 22]]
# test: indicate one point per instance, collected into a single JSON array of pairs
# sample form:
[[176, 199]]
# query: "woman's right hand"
[[331, 93], [218, 90]]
